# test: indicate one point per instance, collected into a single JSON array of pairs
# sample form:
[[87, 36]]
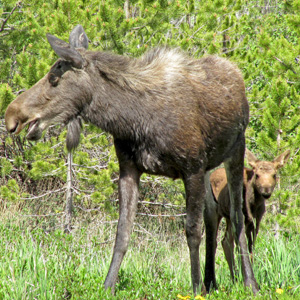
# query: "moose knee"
[[122, 242], [193, 234]]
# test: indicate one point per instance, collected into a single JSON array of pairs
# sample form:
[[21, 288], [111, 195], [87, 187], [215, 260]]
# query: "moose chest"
[[148, 158]]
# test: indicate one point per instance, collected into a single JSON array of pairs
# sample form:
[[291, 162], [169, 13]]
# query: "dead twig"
[[5, 20], [69, 196], [287, 66]]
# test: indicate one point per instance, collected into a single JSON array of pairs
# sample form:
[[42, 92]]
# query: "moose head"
[[42, 105], [265, 172]]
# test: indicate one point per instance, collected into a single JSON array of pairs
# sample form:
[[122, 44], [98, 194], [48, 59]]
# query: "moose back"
[[169, 115]]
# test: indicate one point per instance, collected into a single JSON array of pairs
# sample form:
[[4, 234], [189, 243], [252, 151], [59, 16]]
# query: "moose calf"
[[259, 183]]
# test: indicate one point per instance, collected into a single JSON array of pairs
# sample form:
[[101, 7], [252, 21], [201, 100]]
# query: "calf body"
[[169, 115], [259, 183]]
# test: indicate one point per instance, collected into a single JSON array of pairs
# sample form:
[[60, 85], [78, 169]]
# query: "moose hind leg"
[[128, 198], [234, 172], [211, 221], [195, 194]]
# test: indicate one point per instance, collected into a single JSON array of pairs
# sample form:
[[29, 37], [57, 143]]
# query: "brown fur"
[[169, 115], [259, 183]]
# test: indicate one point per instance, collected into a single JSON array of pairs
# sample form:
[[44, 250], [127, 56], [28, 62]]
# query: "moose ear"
[[252, 160], [78, 38], [282, 159], [65, 51]]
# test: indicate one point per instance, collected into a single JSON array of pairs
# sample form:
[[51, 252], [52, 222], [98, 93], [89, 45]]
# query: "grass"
[[39, 265]]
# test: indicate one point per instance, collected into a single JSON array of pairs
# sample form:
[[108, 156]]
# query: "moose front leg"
[[195, 196], [128, 198], [234, 172]]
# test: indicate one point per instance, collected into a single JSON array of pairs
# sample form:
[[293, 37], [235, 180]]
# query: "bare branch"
[[283, 63], [48, 193], [42, 216], [157, 216], [127, 9], [5, 20], [69, 195]]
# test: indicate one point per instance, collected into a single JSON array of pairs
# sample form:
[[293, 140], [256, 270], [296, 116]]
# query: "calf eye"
[[274, 176], [256, 176]]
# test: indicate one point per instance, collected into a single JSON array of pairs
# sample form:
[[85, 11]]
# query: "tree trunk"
[[275, 208], [126, 9]]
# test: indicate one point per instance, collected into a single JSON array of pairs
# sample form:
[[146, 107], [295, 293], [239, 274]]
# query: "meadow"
[[37, 259], [36, 263]]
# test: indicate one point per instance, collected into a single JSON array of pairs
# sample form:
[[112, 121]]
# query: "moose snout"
[[12, 126], [15, 119], [266, 192]]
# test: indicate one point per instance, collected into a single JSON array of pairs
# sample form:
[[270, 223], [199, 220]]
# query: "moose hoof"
[[253, 285], [109, 286]]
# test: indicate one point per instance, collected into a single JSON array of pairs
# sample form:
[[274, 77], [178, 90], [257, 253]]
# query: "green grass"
[[39, 265]]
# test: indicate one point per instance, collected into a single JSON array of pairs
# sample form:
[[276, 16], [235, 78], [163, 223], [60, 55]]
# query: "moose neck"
[[120, 104], [116, 112]]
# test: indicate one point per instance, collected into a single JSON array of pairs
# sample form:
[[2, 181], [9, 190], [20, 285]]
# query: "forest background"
[[261, 37]]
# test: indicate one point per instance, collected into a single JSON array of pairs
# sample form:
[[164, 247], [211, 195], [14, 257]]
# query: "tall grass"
[[39, 265]]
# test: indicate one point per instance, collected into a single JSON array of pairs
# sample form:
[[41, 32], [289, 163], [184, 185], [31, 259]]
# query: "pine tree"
[[263, 40]]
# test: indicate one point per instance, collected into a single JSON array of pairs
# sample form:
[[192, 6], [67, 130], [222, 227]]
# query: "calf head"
[[57, 97], [264, 177]]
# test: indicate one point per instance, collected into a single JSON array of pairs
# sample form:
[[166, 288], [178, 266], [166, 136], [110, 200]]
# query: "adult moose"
[[169, 115], [259, 183]]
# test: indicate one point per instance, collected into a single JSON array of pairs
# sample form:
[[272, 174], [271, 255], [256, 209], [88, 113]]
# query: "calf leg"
[[250, 233], [234, 171], [128, 198], [211, 221], [228, 247], [195, 194]]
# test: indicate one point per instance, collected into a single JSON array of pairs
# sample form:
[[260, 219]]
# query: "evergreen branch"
[[4, 34], [287, 66], [139, 27], [5, 20], [193, 35]]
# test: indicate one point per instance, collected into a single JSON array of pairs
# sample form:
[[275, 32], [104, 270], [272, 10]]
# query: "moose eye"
[[53, 79], [274, 176], [256, 176]]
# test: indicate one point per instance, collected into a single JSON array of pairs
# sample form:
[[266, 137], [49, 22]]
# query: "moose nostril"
[[13, 129]]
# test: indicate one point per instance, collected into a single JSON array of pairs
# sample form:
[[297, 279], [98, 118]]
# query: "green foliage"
[[61, 266], [262, 39], [6, 166], [6, 96], [10, 192]]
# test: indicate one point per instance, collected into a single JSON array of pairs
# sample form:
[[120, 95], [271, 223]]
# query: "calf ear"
[[78, 38], [65, 51], [282, 159], [252, 160]]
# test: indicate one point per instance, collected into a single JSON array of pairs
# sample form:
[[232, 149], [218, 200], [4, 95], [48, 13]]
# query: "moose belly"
[[150, 163], [147, 159]]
